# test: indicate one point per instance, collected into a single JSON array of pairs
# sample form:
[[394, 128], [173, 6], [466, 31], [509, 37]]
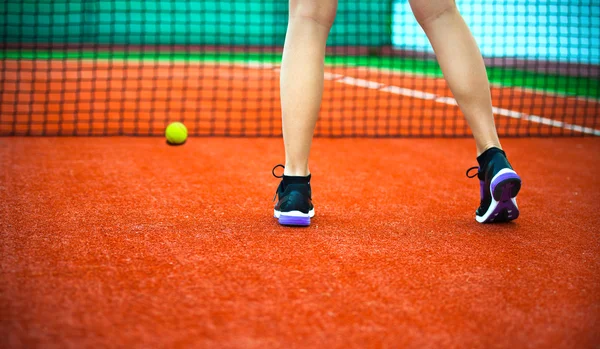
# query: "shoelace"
[[471, 169], [273, 171], [276, 176]]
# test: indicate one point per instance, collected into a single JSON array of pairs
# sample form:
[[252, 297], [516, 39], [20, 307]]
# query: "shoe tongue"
[[296, 179]]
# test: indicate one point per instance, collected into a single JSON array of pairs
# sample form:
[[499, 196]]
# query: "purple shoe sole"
[[506, 186], [504, 189], [295, 221]]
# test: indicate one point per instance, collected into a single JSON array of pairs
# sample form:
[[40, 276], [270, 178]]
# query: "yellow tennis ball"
[[176, 133]]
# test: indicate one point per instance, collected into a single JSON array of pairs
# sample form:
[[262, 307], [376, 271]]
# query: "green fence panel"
[[177, 22]]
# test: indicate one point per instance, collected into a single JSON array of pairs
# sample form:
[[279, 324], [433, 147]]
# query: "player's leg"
[[301, 91], [302, 77], [462, 65], [464, 70]]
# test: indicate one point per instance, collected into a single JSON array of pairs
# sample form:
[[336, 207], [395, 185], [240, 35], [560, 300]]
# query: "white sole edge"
[[278, 214]]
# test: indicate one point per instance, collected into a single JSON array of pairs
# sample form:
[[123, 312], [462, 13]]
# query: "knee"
[[321, 12], [426, 11]]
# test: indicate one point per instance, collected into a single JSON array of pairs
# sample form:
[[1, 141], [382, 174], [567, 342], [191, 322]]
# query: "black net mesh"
[[130, 67]]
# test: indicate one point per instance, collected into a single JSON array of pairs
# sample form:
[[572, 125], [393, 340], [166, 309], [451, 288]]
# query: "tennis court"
[[112, 238]]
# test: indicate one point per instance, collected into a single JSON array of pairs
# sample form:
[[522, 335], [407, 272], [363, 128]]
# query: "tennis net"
[[129, 67]]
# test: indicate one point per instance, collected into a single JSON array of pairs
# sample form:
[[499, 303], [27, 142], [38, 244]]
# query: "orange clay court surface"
[[128, 242]]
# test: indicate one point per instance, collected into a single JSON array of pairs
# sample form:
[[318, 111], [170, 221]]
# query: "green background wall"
[[175, 22]]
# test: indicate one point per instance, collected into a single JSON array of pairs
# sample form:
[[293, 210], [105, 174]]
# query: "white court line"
[[451, 101], [360, 82], [408, 92], [531, 90]]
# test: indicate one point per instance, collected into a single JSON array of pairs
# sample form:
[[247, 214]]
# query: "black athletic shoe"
[[294, 206], [499, 185]]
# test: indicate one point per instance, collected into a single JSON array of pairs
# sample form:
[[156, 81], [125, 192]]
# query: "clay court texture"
[[112, 238]]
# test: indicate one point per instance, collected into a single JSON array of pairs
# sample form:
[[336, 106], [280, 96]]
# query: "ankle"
[[487, 146], [296, 171]]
